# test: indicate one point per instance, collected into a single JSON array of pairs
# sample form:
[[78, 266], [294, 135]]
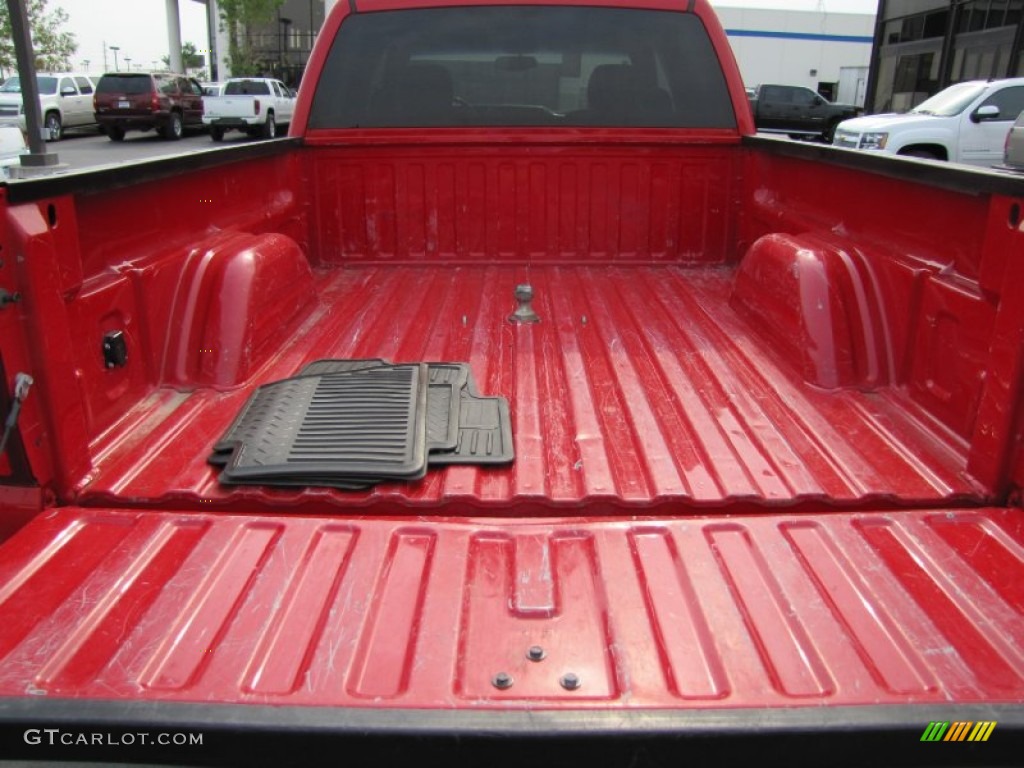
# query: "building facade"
[[280, 48], [821, 49], [922, 46]]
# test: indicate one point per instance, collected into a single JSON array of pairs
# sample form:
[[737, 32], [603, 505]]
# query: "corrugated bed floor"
[[641, 389], [767, 610]]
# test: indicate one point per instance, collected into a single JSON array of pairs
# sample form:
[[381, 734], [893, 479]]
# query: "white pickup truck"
[[256, 105], [965, 123]]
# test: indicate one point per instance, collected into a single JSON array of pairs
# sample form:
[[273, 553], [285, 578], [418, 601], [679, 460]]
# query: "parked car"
[[797, 111], [165, 101], [211, 89], [12, 147], [965, 123], [1013, 147], [65, 101], [256, 105]]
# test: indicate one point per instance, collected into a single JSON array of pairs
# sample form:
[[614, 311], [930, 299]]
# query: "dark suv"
[[141, 101]]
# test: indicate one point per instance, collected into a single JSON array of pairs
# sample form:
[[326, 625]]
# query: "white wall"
[[777, 46]]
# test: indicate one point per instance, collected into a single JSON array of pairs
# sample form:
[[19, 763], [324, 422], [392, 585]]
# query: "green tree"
[[190, 57], [237, 16], [52, 45]]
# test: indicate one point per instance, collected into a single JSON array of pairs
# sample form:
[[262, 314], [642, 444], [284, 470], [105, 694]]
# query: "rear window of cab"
[[522, 65]]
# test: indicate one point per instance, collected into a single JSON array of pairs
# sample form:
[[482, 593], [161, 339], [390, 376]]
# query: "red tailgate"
[[757, 611]]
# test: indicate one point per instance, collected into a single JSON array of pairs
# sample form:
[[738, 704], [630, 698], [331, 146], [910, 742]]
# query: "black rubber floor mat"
[[485, 432], [365, 424], [320, 367], [279, 396], [443, 404], [446, 380], [271, 396], [460, 427]]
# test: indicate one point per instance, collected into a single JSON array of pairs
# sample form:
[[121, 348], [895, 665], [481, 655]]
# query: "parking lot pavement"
[[88, 148]]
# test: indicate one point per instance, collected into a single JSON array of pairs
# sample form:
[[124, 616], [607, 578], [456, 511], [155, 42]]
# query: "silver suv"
[[65, 100], [1013, 150]]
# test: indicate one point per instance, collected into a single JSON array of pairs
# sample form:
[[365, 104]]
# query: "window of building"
[[1014, 12], [970, 65], [935, 24], [893, 30], [921, 26], [913, 28], [914, 73], [989, 14]]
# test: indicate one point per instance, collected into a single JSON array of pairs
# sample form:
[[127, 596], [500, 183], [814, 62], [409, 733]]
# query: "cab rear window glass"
[[123, 84], [247, 88], [541, 65]]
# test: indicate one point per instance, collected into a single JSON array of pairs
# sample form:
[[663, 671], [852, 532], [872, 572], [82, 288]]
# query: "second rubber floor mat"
[[485, 432], [479, 428]]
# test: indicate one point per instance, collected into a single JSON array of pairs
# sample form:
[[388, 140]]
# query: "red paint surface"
[[768, 610], [641, 389], [661, 378]]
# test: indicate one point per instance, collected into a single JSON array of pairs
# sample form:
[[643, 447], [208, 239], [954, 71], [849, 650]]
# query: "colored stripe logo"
[[958, 731]]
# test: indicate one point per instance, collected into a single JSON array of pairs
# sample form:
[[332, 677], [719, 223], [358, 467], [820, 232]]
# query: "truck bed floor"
[[641, 389]]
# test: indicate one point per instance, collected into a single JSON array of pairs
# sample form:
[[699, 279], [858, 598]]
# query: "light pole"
[[128, 63], [21, 36], [115, 49], [85, 64], [283, 47]]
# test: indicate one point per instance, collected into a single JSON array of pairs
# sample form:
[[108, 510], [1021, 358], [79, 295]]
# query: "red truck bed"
[[766, 488], [693, 524], [641, 391]]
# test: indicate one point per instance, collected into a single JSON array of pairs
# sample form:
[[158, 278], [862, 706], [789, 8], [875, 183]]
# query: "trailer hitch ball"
[[524, 312]]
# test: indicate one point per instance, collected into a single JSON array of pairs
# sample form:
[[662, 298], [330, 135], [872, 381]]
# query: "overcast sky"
[[827, 6], [139, 27]]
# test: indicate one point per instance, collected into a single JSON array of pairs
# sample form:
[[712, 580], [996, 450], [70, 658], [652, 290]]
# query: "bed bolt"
[[570, 681], [524, 312], [536, 653], [502, 680], [8, 298]]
